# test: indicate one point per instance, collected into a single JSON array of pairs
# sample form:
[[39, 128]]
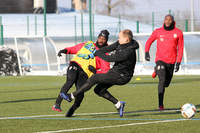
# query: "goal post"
[[37, 53]]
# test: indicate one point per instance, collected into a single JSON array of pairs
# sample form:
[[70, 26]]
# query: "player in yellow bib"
[[81, 67], [85, 57]]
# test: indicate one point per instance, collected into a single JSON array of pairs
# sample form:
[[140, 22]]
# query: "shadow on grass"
[[170, 111], [138, 113], [28, 90], [27, 100], [193, 79], [174, 80], [144, 83]]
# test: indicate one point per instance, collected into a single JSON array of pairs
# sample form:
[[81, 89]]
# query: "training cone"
[[138, 78]]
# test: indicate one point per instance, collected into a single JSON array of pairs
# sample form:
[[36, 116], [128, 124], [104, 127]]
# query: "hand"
[[92, 69], [147, 56], [62, 51], [177, 67], [59, 54]]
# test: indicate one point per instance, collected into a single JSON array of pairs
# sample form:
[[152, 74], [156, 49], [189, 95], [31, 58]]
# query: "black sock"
[[109, 97], [59, 100], [161, 98], [70, 112]]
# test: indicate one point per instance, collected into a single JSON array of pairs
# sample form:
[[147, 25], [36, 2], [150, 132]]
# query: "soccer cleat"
[[67, 97], [70, 112], [161, 108], [154, 74], [56, 108], [121, 108]]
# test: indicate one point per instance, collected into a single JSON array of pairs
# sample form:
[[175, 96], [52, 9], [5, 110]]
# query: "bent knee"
[[97, 91]]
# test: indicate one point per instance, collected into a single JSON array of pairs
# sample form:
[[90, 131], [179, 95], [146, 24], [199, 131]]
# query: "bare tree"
[[110, 4]]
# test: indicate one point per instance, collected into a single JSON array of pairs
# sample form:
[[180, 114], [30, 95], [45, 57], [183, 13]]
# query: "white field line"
[[34, 116], [113, 126], [83, 114]]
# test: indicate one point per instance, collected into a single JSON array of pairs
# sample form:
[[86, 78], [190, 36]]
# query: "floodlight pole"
[[90, 18], [45, 17], [1, 31], [153, 21]]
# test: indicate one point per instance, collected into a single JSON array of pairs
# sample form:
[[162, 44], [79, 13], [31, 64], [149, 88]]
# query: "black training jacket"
[[124, 57]]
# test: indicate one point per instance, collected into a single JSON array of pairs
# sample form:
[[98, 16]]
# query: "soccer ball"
[[188, 110]]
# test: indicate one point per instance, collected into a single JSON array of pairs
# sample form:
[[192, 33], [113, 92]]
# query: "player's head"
[[102, 38], [169, 20], [125, 36]]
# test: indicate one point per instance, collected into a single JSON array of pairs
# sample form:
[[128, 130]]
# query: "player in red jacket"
[[169, 51], [76, 75]]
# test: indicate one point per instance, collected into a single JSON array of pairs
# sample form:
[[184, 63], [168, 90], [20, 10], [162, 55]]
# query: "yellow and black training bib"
[[82, 57]]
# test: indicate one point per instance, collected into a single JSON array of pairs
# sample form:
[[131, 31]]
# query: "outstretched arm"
[[74, 49], [109, 48], [118, 56]]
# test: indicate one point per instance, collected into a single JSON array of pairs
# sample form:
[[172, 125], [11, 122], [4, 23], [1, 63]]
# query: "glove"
[[62, 51], [92, 69], [177, 67], [147, 56]]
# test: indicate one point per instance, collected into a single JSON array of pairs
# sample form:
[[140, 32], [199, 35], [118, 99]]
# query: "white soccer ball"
[[188, 110]]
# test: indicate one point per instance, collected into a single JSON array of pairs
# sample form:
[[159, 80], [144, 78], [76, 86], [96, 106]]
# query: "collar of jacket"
[[132, 44]]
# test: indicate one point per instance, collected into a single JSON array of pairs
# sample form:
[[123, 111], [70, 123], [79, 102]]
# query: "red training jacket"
[[101, 65], [169, 45]]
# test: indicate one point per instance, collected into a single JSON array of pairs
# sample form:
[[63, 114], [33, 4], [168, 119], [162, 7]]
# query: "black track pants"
[[104, 81], [75, 75], [165, 74]]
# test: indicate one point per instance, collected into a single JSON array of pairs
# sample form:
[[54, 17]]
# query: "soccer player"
[[81, 68], [169, 51], [120, 74]]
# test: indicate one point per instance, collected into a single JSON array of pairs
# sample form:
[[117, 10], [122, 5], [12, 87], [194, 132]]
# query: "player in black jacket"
[[121, 73]]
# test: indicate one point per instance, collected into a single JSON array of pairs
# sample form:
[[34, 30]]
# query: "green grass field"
[[34, 96]]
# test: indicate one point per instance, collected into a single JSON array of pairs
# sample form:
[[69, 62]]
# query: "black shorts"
[[165, 72]]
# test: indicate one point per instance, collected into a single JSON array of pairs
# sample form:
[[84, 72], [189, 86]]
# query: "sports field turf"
[[34, 96]]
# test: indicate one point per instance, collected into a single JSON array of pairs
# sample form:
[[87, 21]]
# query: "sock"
[[160, 98], [118, 104], [58, 100], [72, 96]]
